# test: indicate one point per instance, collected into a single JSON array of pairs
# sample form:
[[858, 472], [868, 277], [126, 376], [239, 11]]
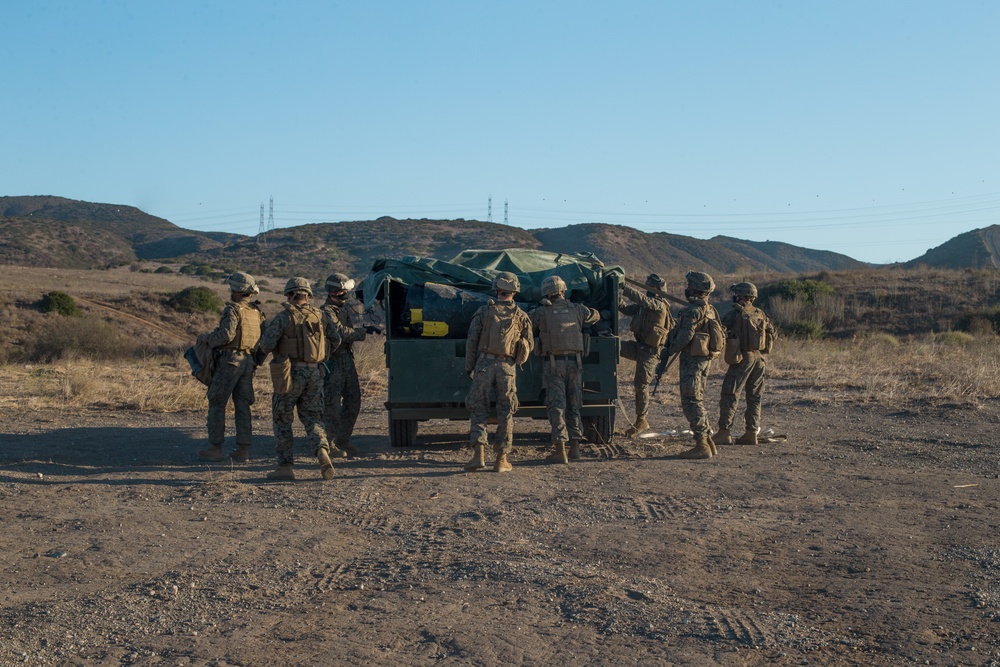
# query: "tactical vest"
[[651, 327], [248, 329], [305, 340], [752, 328], [560, 331], [502, 327], [340, 315]]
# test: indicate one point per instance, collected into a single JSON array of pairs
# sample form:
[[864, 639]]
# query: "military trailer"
[[428, 306]]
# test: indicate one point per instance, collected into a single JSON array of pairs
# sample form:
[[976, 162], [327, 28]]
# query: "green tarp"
[[474, 270]]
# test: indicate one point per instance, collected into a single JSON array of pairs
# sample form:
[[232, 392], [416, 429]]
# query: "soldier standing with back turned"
[[561, 345], [749, 336], [232, 342], [692, 339], [299, 336], [499, 339], [651, 322]]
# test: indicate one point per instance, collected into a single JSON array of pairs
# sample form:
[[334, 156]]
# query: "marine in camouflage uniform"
[[232, 343], [693, 366], [749, 329], [499, 338], [341, 389], [299, 336], [651, 322], [561, 345]]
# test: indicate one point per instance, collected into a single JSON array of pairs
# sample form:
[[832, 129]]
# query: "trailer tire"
[[402, 432], [599, 430]]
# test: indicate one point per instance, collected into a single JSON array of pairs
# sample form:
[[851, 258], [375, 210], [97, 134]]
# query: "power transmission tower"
[[270, 216], [489, 209], [260, 230], [505, 211]]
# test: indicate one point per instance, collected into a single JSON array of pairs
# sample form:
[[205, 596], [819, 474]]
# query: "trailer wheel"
[[402, 432], [599, 430]]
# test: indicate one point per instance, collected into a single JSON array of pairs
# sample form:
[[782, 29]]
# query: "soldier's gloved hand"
[[471, 373], [373, 330], [259, 357]]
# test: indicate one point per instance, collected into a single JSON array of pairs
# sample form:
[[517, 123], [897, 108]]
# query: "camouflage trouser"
[[500, 377], [694, 377], [645, 358], [747, 375], [341, 399], [233, 377], [306, 394], [563, 384]]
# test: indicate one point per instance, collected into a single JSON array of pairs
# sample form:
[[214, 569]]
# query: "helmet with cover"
[[553, 285], [298, 286], [242, 283], [506, 281], [338, 282], [700, 282], [656, 281], [744, 289]]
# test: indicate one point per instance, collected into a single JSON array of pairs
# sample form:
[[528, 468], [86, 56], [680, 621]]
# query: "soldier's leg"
[[694, 377], [310, 408], [645, 370], [282, 413], [224, 382], [243, 398], [755, 392], [478, 403], [505, 384], [574, 401], [554, 379], [732, 387], [351, 407]]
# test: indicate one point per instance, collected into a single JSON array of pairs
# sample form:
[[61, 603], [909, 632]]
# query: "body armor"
[[502, 325], [305, 340], [560, 331], [651, 327], [248, 330]]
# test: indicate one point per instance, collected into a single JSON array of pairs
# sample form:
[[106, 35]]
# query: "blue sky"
[[866, 128]]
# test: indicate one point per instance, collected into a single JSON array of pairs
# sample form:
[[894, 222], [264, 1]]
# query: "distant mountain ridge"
[[59, 232], [977, 249]]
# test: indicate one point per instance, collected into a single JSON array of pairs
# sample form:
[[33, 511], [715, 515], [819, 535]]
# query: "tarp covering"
[[474, 270]]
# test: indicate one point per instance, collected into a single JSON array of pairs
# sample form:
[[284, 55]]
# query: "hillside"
[[978, 249], [101, 234]]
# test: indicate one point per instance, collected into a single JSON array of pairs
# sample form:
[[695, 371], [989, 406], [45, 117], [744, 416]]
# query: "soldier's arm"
[[334, 332], [272, 333], [226, 331], [637, 297], [472, 341], [682, 334], [589, 315]]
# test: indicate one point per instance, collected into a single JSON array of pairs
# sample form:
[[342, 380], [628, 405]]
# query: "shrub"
[[790, 290], [953, 338], [59, 302], [196, 300], [163, 269], [807, 329], [86, 338]]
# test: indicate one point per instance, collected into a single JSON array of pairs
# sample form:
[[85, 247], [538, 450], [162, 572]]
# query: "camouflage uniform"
[[234, 370], [341, 389], [306, 393], [645, 311], [747, 375], [693, 370], [562, 372], [494, 371]]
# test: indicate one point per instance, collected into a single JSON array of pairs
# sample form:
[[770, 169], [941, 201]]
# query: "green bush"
[[196, 300], [86, 337], [982, 322], [163, 269], [59, 302], [807, 290], [953, 338], [806, 329]]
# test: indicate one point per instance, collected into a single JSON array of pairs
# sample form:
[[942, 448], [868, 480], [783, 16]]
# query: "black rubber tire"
[[402, 432], [599, 430]]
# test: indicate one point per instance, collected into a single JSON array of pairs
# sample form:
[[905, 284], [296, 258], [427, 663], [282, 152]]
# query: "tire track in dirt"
[[176, 335]]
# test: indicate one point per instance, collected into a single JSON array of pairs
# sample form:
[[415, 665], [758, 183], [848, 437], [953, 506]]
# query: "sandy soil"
[[869, 538]]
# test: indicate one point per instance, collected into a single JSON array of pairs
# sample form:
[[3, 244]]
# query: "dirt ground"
[[870, 537]]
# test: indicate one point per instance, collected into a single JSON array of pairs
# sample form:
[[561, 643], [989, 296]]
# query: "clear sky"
[[864, 127]]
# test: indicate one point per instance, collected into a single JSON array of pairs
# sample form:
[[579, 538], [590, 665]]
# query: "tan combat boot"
[[336, 453], [213, 453], [574, 449], [748, 438], [325, 464], [478, 461], [351, 450], [502, 465], [241, 454], [282, 473], [640, 425], [723, 437], [558, 456], [711, 445], [701, 449]]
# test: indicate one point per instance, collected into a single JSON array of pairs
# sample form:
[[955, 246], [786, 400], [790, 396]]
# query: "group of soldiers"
[[313, 369]]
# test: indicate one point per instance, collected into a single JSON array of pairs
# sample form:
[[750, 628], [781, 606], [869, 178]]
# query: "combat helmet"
[[506, 281], [338, 282], [298, 285], [552, 285], [744, 289], [242, 283], [656, 281], [700, 282]]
